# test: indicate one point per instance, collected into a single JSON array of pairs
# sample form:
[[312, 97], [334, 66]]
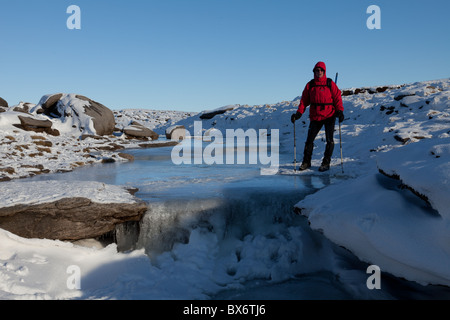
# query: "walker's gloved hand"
[[296, 116], [340, 115]]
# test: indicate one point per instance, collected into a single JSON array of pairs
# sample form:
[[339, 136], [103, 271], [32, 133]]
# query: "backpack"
[[312, 84]]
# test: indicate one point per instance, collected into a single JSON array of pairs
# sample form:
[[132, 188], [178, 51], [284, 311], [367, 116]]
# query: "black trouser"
[[314, 128]]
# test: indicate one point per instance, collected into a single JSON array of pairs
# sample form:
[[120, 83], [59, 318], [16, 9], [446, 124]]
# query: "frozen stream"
[[232, 233]]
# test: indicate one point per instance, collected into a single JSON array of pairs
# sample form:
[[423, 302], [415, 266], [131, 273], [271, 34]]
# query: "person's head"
[[320, 70]]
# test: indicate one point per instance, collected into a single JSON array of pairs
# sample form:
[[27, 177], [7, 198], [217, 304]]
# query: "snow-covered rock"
[[3, 103], [77, 112], [63, 210], [212, 113], [176, 133], [137, 130], [36, 124]]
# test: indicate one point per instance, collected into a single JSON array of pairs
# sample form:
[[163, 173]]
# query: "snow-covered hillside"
[[400, 223], [375, 122]]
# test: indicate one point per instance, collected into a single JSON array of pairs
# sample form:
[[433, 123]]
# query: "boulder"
[[33, 122], [206, 115], [207, 136], [66, 210], [159, 144], [23, 107], [50, 104], [103, 118], [137, 130], [68, 218], [177, 132], [3, 103], [30, 123], [126, 156], [401, 96], [89, 116]]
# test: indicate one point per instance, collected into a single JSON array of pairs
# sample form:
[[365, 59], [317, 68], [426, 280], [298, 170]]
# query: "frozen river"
[[231, 233]]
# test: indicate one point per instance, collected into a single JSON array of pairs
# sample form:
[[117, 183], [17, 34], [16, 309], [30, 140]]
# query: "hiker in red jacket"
[[325, 101]]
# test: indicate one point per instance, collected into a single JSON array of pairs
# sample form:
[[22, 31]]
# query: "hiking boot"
[[324, 167], [304, 166]]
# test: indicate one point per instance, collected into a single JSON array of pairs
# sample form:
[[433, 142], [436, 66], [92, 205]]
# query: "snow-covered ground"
[[156, 120], [28, 153], [403, 225]]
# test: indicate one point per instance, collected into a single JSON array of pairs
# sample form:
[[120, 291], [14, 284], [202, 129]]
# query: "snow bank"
[[383, 225], [44, 269], [425, 168]]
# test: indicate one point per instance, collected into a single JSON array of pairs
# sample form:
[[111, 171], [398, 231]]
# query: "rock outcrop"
[[89, 116], [177, 132], [206, 115], [66, 210], [3, 103], [137, 130], [24, 107], [103, 118], [68, 218], [30, 123]]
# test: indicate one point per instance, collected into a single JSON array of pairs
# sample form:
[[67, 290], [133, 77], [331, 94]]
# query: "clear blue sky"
[[196, 55]]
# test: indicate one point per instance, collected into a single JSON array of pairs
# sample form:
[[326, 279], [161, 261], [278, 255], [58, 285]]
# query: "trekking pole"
[[340, 134], [340, 142], [295, 151]]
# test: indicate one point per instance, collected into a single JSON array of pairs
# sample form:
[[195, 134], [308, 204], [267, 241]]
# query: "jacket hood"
[[322, 65]]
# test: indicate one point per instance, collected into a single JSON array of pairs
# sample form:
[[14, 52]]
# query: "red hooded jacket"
[[323, 101]]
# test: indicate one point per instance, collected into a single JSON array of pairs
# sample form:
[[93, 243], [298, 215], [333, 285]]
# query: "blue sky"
[[195, 55]]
